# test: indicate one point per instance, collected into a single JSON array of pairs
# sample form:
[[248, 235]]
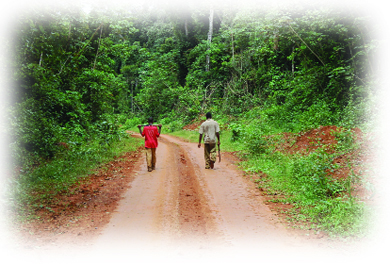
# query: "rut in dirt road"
[[182, 209], [165, 206], [182, 204], [192, 206]]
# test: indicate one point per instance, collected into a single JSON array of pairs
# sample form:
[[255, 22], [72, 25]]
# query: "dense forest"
[[78, 74], [82, 75]]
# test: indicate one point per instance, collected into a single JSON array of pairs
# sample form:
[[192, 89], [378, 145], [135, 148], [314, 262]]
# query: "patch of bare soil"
[[194, 125], [353, 162], [81, 213], [324, 137]]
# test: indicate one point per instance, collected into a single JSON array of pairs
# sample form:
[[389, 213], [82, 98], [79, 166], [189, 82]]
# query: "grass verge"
[[322, 180], [30, 190], [226, 143]]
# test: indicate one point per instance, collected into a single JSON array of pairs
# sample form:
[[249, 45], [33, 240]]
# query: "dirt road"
[[180, 211], [181, 208]]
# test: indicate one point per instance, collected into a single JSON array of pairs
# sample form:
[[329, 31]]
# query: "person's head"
[[208, 115], [150, 120]]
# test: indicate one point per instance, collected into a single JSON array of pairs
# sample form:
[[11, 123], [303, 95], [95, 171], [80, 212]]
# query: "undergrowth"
[[303, 180], [35, 186]]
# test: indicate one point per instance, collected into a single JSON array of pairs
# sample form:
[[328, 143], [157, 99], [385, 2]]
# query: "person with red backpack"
[[151, 134]]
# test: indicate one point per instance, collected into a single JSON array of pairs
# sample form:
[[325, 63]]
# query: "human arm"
[[219, 141], [200, 140], [159, 128], [139, 128]]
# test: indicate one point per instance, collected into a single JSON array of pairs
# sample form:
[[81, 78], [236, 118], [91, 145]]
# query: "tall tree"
[[209, 36]]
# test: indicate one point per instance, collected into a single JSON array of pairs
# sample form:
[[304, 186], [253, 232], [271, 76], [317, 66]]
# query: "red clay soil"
[[77, 215], [194, 125], [354, 162], [320, 137], [195, 199], [313, 139], [324, 137]]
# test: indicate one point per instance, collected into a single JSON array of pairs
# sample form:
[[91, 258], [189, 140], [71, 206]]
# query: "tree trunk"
[[97, 52], [233, 47], [209, 37], [132, 94], [70, 30], [40, 60], [186, 27], [292, 62]]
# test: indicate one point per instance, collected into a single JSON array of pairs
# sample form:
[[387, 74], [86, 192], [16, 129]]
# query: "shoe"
[[211, 165], [149, 169]]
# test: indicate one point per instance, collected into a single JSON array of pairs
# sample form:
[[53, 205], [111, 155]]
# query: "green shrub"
[[237, 131], [132, 122], [304, 181], [174, 126], [33, 186]]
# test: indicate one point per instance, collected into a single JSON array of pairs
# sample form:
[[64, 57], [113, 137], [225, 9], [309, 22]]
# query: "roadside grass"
[[302, 180], [319, 201], [34, 189], [189, 135], [225, 136], [317, 198]]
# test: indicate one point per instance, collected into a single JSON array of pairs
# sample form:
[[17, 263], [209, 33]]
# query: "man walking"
[[210, 129], [151, 134]]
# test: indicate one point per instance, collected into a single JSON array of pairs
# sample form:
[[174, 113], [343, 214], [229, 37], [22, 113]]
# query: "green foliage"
[[237, 131], [175, 126], [302, 179], [173, 122], [158, 80], [346, 140], [131, 123], [314, 63], [32, 186], [33, 132], [79, 76], [68, 87], [305, 183], [192, 136]]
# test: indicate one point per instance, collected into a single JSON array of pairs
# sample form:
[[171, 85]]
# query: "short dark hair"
[[208, 115], [150, 119]]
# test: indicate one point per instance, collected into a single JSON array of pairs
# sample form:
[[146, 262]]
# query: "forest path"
[[180, 211], [182, 208]]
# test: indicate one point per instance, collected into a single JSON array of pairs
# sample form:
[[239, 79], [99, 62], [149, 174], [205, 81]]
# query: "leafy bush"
[[175, 126], [132, 122], [318, 114], [69, 166], [34, 134], [237, 131], [304, 181]]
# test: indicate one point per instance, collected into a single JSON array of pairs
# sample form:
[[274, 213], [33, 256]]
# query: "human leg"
[[153, 158], [213, 155], [148, 153], [207, 155]]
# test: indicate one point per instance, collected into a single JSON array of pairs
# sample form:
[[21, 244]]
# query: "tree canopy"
[[77, 73]]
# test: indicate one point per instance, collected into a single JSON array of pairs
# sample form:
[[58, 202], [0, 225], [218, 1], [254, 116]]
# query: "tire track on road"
[[193, 210]]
